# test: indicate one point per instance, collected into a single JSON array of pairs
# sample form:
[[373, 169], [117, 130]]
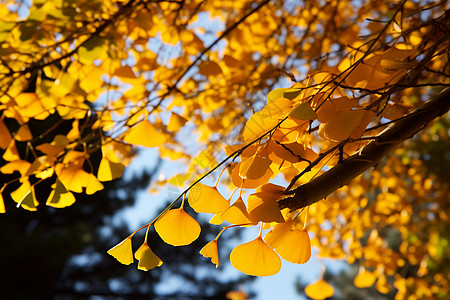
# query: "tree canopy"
[[305, 108]]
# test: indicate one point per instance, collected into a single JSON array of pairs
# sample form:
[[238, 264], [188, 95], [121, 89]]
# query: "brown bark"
[[344, 172]]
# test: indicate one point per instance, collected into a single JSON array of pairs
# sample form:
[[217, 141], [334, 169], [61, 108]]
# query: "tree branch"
[[341, 174]]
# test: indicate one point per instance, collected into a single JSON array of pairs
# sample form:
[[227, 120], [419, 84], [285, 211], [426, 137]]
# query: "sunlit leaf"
[[342, 124], [210, 251], [262, 205], [147, 259], [109, 170], [292, 245], [91, 50], [60, 197], [364, 279], [254, 167], [319, 290], [145, 134], [123, 251], [176, 122], [176, 227], [255, 258], [236, 213], [303, 111], [207, 199], [25, 197]]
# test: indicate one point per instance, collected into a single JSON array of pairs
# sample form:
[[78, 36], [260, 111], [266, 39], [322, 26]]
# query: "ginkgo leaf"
[[216, 220], [25, 197], [176, 227], [303, 111], [11, 153], [342, 124], [382, 285], [257, 125], [145, 134], [123, 251], [292, 245], [254, 167], [249, 183], [91, 50], [364, 279], [319, 290], [262, 205], [207, 199], [255, 258], [210, 251], [23, 134], [147, 259], [176, 122], [109, 170], [19, 165], [236, 213], [60, 197]]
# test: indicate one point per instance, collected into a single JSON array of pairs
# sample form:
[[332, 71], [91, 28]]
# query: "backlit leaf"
[[319, 290], [123, 251], [255, 258], [292, 245], [176, 227], [207, 199], [210, 251], [364, 279], [176, 122], [60, 197], [109, 170], [303, 111], [145, 134], [147, 259]]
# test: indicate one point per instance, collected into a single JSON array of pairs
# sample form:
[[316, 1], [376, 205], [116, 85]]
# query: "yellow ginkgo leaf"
[[207, 199], [60, 197], [93, 185], [236, 213], [109, 170], [147, 259], [176, 227], [254, 167], [210, 250], [11, 153], [303, 112], [262, 205], [319, 290], [23, 134], [382, 285], [364, 279], [25, 197], [292, 245], [342, 124], [123, 251], [255, 258], [216, 220], [145, 134], [176, 122], [249, 183], [19, 165]]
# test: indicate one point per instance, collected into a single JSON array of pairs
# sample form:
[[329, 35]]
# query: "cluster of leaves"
[[148, 73]]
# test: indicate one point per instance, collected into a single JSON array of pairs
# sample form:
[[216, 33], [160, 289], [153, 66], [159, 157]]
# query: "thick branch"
[[341, 174]]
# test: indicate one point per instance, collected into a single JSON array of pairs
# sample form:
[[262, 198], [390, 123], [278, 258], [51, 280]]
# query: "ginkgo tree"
[[85, 79]]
